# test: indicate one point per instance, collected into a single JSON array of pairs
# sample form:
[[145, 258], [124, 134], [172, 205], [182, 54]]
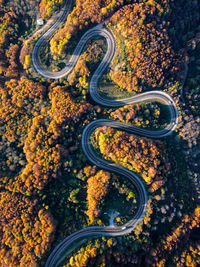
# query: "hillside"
[[49, 187]]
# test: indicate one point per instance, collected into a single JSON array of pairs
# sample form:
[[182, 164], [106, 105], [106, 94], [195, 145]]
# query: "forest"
[[48, 188]]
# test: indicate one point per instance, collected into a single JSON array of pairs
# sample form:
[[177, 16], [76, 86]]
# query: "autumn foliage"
[[138, 154], [84, 13], [144, 44], [97, 186], [19, 101], [83, 256], [7, 31], [81, 73], [179, 240], [25, 58], [36, 127], [64, 109], [8, 51], [142, 116], [47, 7], [40, 144], [39, 123], [26, 230]]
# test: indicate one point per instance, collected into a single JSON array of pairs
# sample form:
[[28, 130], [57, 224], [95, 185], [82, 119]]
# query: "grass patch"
[[108, 89]]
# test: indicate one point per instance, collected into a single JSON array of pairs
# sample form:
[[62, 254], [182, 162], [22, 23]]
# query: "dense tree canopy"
[[42, 170], [47, 7], [96, 190], [138, 154], [83, 14], [147, 115], [26, 230], [144, 43]]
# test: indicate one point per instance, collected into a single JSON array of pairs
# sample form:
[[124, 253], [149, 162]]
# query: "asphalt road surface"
[[86, 144]]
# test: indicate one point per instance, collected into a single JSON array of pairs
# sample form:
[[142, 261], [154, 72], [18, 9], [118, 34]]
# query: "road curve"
[[86, 145]]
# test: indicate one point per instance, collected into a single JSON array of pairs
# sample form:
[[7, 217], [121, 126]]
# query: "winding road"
[[86, 145]]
